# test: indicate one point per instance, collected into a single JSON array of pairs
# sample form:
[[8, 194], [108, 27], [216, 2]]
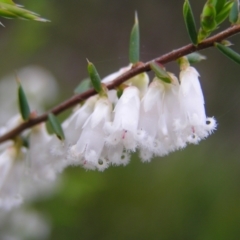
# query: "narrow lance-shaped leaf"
[[95, 78], [8, 2], [219, 4], [9, 9], [83, 86], [190, 22], [160, 72], [234, 13], [195, 57], [134, 45], [23, 103], [56, 126], [224, 13], [208, 16], [228, 52]]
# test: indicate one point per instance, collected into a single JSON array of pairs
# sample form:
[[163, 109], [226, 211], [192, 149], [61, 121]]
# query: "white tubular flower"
[[140, 81], [195, 126], [148, 121], [112, 94], [123, 129], [170, 116], [11, 176], [118, 155], [39, 159], [89, 147], [159, 112], [72, 128]]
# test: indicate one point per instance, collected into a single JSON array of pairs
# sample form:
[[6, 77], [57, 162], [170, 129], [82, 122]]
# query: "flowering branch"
[[139, 68]]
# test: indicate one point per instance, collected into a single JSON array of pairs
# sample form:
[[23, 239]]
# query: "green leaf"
[[228, 52], [56, 126], [202, 34], [190, 22], [10, 10], [83, 86], [119, 92], [219, 4], [134, 44], [8, 2], [6, 14], [195, 57], [226, 43], [208, 16], [95, 78], [160, 72], [224, 13], [234, 13], [23, 103]]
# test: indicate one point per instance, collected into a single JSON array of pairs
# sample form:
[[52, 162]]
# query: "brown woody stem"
[[144, 67]]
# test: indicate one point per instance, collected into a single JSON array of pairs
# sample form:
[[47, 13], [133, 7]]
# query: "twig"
[[144, 67]]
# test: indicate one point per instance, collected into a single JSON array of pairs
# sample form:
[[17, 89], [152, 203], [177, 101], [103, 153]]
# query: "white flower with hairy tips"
[[148, 121], [90, 145], [72, 128], [123, 129], [196, 125], [159, 111], [11, 176]]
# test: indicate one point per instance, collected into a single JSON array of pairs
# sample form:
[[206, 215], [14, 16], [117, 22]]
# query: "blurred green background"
[[190, 194]]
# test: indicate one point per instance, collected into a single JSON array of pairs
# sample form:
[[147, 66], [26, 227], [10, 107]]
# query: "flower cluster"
[[154, 118]]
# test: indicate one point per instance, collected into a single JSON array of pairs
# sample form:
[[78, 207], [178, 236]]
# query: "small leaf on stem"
[[95, 78], [208, 16], [234, 13], [56, 126], [190, 22], [219, 4], [228, 52], [160, 72], [224, 13], [134, 45], [23, 103], [195, 57]]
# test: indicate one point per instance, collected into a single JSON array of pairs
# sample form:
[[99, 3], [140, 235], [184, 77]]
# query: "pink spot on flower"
[[124, 134], [193, 130]]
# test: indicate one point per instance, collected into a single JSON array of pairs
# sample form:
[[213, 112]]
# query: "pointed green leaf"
[[95, 78], [190, 22], [195, 57], [134, 45], [208, 16], [6, 14], [160, 72], [202, 34], [219, 4], [230, 53], [224, 13], [8, 2], [23, 103], [234, 13], [83, 86], [14, 11], [226, 43], [56, 126]]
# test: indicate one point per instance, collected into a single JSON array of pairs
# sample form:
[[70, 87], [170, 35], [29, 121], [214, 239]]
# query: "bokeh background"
[[190, 194]]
